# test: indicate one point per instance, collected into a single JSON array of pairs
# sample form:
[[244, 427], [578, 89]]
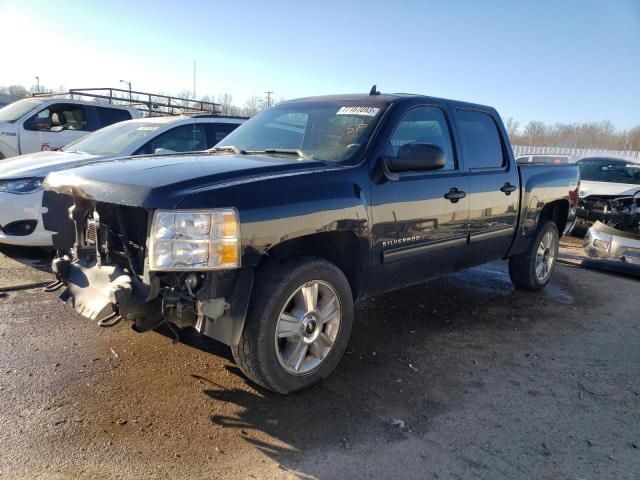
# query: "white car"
[[603, 179], [21, 177], [43, 123]]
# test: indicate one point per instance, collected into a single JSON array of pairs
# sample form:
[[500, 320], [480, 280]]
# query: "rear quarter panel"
[[541, 185]]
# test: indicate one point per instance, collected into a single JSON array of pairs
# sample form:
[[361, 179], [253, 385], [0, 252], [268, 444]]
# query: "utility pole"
[[194, 81], [269, 98], [128, 83], [37, 84]]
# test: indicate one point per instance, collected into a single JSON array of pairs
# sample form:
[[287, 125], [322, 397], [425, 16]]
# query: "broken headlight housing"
[[183, 240]]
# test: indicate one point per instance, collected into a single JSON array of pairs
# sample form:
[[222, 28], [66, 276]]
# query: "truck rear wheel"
[[532, 269], [298, 325]]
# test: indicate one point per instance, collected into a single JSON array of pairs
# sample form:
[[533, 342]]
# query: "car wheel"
[[298, 324], [532, 269]]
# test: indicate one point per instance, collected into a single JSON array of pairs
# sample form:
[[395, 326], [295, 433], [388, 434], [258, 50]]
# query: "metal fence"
[[577, 152]]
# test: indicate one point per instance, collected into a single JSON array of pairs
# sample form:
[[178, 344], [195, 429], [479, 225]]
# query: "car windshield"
[[609, 170], [114, 139], [16, 110], [328, 131]]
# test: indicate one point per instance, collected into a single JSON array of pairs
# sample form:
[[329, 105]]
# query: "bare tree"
[[512, 126], [226, 104], [17, 91], [534, 132], [253, 106]]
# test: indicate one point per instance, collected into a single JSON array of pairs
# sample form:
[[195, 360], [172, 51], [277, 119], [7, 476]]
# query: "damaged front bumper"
[[603, 241], [102, 261]]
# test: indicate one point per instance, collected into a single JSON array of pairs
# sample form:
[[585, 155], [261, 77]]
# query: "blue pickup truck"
[[265, 243]]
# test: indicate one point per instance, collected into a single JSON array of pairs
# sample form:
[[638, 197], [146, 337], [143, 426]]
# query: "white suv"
[[21, 177], [44, 123]]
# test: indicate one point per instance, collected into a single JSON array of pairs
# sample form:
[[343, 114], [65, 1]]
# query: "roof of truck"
[[385, 98]]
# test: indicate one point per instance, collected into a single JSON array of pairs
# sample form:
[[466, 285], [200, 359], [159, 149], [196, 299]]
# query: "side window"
[[424, 125], [186, 138], [217, 131], [59, 117], [109, 116], [481, 144]]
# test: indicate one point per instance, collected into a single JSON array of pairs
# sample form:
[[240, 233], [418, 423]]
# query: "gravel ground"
[[462, 377]]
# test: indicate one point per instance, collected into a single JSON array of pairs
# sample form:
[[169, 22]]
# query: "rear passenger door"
[[493, 185]]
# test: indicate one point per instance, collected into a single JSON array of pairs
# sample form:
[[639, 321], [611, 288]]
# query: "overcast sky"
[[536, 60]]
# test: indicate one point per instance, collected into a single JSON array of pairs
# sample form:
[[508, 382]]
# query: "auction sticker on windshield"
[[367, 111]]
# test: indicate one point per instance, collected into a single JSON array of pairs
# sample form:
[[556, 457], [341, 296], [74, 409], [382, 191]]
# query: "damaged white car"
[[618, 235]]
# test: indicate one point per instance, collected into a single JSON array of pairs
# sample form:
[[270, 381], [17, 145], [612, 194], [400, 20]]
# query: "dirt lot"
[[463, 377]]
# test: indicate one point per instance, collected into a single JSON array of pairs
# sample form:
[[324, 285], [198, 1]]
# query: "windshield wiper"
[[225, 148], [279, 151]]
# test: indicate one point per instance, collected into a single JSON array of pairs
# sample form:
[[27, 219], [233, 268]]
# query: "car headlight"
[[195, 240], [21, 185]]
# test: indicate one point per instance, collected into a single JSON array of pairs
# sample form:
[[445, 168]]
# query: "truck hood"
[[164, 181], [42, 163], [588, 188]]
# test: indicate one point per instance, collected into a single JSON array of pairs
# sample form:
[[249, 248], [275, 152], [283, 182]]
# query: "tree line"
[[599, 135]]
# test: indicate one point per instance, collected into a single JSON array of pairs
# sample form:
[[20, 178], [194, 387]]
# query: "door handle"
[[454, 195], [507, 188]]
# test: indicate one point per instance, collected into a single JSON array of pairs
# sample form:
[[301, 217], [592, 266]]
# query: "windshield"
[[114, 139], [609, 170], [16, 110], [327, 131]]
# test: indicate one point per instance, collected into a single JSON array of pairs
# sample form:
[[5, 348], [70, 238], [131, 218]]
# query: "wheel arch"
[[340, 247], [556, 211]]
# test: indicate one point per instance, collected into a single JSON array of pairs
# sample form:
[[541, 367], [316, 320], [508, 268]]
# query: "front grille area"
[[122, 226], [114, 231]]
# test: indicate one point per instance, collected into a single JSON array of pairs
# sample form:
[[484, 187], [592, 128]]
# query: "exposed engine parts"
[[624, 213]]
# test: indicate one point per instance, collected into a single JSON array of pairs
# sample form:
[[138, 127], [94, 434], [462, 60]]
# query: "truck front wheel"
[[532, 269], [298, 324]]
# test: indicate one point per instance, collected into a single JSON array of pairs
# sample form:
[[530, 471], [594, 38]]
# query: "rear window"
[[109, 116], [610, 171], [481, 142]]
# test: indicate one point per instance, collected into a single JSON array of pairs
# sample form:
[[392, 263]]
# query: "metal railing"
[[576, 152], [152, 104]]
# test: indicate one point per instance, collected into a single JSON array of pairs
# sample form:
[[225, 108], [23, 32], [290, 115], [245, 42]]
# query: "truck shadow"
[[415, 355]]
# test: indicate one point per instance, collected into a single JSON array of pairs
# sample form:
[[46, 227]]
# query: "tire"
[[522, 267], [279, 301]]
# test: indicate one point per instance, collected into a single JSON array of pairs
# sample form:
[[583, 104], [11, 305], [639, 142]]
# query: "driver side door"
[[417, 232]]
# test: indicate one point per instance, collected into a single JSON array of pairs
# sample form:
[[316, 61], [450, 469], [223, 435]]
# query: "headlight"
[[21, 185], [195, 240]]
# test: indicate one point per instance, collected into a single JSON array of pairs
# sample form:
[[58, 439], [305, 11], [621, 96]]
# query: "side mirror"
[[163, 151], [416, 157]]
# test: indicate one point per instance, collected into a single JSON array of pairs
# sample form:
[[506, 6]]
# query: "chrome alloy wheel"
[[308, 327], [545, 256]]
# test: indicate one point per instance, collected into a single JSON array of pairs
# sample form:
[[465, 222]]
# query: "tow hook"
[[61, 267], [53, 286], [110, 320]]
